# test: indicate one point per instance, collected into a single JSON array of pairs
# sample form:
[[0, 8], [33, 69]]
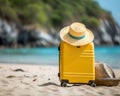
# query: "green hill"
[[51, 13]]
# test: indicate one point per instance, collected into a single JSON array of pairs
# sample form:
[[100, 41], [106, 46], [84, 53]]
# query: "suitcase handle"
[[58, 48], [78, 46]]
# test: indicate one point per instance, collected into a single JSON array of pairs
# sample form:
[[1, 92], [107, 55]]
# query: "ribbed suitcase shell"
[[76, 63]]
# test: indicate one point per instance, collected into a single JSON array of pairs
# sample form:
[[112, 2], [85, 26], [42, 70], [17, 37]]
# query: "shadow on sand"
[[49, 83]]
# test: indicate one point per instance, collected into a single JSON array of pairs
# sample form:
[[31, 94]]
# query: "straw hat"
[[104, 75], [76, 34]]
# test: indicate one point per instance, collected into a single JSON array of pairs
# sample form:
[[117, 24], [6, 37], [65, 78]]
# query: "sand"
[[42, 80]]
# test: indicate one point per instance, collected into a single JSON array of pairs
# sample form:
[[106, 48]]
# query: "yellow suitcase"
[[76, 64]]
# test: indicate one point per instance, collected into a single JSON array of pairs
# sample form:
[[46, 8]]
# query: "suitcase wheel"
[[91, 83], [63, 83]]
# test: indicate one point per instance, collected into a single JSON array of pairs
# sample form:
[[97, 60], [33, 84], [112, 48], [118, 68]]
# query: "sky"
[[113, 6]]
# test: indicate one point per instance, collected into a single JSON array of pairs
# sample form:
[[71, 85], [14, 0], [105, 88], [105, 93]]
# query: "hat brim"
[[65, 37]]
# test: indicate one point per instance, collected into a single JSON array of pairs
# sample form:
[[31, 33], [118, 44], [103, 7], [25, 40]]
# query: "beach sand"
[[42, 80]]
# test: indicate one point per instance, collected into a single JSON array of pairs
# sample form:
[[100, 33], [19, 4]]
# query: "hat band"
[[78, 38]]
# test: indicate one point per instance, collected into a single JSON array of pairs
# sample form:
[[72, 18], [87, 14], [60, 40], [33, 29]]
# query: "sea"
[[50, 56]]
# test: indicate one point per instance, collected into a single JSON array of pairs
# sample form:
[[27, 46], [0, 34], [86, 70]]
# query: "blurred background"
[[29, 29]]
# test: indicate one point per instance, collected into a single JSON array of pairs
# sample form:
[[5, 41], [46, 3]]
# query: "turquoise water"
[[49, 56]]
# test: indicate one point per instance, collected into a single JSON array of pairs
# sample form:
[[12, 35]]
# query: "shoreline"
[[42, 80]]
